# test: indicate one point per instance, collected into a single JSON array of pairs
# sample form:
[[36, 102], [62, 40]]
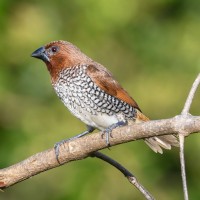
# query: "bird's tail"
[[159, 142], [165, 141]]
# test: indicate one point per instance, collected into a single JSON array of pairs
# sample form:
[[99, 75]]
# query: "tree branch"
[[83, 147], [182, 134], [182, 162], [132, 179], [190, 97]]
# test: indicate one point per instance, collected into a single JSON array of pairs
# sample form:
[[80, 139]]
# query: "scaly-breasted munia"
[[91, 93]]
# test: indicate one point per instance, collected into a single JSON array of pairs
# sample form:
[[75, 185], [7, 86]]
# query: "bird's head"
[[59, 55]]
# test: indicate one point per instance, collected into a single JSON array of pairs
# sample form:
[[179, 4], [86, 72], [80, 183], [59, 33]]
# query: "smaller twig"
[[182, 134], [182, 161], [190, 97], [132, 179]]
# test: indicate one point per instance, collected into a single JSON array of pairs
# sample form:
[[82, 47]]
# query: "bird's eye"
[[54, 49]]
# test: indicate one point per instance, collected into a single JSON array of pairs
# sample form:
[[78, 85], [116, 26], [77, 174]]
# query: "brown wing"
[[106, 82]]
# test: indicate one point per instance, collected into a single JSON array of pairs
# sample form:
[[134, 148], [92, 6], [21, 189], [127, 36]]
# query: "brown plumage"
[[91, 93], [107, 83]]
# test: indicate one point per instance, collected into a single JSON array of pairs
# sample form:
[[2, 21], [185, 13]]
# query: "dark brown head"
[[60, 54]]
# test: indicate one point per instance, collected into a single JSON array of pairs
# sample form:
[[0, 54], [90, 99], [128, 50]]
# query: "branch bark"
[[83, 147]]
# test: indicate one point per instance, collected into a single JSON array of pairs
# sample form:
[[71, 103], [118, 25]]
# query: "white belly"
[[95, 119], [101, 120]]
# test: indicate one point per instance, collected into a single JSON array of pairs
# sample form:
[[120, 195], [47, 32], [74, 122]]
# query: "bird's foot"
[[108, 131], [57, 147], [62, 142]]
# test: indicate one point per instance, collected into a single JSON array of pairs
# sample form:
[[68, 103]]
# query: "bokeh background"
[[151, 47]]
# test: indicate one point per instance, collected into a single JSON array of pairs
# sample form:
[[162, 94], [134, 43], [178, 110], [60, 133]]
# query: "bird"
[[92, 94]]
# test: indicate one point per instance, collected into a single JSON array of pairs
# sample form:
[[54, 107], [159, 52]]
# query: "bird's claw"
[[62, 142], [57, 147], [108, 131]]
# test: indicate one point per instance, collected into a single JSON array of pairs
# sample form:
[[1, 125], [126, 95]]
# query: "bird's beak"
[[40, 54]]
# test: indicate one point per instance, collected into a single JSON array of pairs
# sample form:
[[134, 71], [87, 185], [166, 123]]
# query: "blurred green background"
[[151, 47]]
